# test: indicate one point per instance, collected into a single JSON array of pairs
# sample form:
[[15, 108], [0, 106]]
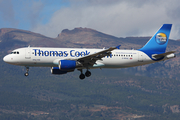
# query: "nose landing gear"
[[26, 73]]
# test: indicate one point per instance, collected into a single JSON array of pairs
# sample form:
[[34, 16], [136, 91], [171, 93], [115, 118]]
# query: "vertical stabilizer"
[[158, 43]]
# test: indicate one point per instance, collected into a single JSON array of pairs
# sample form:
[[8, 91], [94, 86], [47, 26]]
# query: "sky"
[[120, 18]]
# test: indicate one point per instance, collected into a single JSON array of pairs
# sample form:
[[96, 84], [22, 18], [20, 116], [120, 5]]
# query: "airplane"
[[64, 60]]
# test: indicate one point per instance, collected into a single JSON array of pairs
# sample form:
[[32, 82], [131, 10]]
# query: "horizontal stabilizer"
[[157, 56]]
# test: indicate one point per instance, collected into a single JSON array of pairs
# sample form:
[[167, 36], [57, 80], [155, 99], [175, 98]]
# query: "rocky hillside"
[[142, 93], [78, 37]]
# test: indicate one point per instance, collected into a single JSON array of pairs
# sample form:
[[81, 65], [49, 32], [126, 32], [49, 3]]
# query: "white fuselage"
[[49, 57]]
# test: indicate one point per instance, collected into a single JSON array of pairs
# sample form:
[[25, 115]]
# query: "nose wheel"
[[26, 74], [27, 70]]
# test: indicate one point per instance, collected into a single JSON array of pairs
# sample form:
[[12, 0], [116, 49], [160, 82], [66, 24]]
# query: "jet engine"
[[65, 66]]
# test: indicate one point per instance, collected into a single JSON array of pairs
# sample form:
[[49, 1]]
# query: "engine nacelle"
[[55, 70], [67, 65]]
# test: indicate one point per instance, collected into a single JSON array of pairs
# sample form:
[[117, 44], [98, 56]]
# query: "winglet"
[[118, 47]]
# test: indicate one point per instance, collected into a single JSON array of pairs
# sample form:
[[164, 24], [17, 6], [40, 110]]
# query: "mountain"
[[15, 38], [140, 93], [78, 37]]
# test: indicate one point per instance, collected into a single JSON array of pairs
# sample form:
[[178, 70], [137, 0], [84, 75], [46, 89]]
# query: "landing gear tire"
[[26, 74], [88, 73], [27, 70], [81, 76]]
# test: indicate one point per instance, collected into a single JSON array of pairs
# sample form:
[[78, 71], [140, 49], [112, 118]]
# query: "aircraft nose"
[[10, 59], [7, 59]]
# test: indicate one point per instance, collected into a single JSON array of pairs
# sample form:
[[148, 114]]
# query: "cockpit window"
[[12, 52], [15, 52]]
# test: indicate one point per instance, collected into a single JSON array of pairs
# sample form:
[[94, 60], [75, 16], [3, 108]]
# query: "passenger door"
[[28, 53]]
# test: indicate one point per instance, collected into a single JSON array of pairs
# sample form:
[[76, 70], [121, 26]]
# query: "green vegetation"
[[107, 95]]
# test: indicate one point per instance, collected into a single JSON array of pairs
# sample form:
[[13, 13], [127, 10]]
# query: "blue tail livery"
[[158, 43]]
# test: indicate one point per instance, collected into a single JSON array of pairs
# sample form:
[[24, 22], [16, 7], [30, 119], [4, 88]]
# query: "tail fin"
[[158, 43]]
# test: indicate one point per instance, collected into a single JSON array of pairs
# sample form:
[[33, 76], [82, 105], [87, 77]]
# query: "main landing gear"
[[26, 73], [87, 74]]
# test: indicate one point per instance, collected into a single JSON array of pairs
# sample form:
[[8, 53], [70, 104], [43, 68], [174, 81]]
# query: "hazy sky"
[[120, 18]]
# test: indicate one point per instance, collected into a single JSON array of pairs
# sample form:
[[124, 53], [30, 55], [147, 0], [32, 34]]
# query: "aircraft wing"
[[92, 58]]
